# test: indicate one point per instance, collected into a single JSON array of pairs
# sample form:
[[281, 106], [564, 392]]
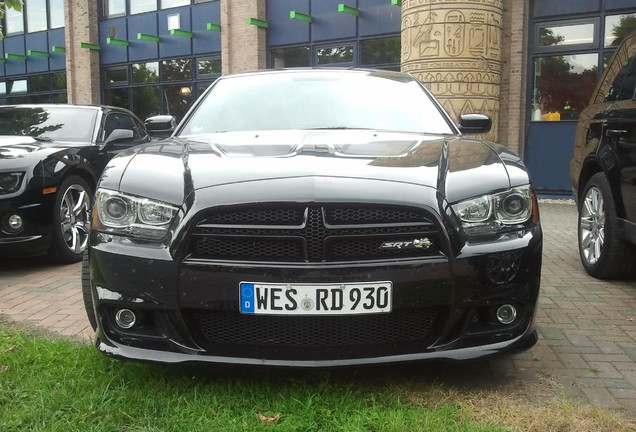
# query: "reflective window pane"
[[3, 88], [290, 57], [116, 76], [18, 86], [566, 35], [59, 81], [563, 86], [39, 83], [60, 98], [178, 100], [40, 98], [145, 72], [114, 7], [617, 27], [174, 70], [334, 55], [165, 4], [606, 58], [117, 97], [203, 87], [18, 100], [13, 21], [56, 12], [146, 101], [208, 66], [36, 15], [140, 6], [380, 51]]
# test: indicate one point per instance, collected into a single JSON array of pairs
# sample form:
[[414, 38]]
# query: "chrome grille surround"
[[312, 233]]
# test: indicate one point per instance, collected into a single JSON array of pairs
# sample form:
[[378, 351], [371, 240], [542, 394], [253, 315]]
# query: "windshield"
[[55, 123], [317, 100]]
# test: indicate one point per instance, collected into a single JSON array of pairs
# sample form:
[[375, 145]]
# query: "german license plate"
[[316, 299]]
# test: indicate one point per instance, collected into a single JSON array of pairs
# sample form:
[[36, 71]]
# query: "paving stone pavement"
[[587, 327]]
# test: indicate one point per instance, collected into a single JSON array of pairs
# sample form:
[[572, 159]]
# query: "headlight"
[[490, 214], [122, 214], [10, 182]]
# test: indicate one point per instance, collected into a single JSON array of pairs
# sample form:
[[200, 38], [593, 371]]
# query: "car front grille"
[[314, 233], [229, 333]]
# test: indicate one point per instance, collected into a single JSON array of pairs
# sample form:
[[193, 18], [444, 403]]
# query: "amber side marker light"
[[49, 190], [535, 207]]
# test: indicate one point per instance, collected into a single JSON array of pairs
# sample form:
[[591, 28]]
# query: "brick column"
[[454, 47], [82, 65], [243, 46], [512, 107]]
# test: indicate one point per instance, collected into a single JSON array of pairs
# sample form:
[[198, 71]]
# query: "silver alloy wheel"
[[592, 225], [75, 218]]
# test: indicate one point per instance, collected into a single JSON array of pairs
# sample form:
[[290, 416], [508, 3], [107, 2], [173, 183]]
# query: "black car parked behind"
[[51, 157], [603, 170]]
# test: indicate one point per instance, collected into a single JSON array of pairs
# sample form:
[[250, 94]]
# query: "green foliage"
[[625, 26], [548, 38], [55, 385], [13, 4], [25, 122]]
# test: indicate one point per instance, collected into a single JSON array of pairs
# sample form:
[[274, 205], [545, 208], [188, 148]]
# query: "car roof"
[[72, 106], [326, 70]]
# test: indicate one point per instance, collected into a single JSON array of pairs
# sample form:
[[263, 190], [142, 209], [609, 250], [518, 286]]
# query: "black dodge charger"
[[315, 218]]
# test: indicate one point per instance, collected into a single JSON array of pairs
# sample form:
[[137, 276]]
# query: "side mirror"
[[119, 135], [474, 123], [161, 126]]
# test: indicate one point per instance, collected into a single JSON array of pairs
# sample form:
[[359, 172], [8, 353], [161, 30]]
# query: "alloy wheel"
[[592, 225], [75, 218]]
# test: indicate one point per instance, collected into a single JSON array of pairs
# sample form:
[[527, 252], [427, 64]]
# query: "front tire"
[[604, 253], [71, 221]]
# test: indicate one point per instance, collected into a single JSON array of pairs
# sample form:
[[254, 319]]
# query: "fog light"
[[506, 314], [13, 224], [125, 318]]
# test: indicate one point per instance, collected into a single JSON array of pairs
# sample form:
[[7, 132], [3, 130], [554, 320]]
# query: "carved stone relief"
[[454, 47]]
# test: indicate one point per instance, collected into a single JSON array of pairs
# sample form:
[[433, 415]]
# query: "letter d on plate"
[[247, 298]]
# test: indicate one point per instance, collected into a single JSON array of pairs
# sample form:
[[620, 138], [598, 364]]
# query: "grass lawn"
[[49, 384]]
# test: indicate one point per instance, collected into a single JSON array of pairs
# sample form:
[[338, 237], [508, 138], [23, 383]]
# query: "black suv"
[[603, 170]]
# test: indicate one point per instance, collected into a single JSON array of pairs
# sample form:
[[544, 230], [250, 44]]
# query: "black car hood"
[[448, 164], [22, 151]]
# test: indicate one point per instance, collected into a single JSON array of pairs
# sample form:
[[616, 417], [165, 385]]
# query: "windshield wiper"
[[338, 128]]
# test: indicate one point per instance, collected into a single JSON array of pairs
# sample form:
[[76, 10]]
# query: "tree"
[[548, 38], [27, 122], [13, 4], [626, 25]]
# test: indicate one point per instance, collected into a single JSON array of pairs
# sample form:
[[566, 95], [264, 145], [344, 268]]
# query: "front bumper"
[[520, 343], [176, 300], [34, 237]]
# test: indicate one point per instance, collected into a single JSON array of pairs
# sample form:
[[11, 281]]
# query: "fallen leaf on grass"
[[266, 419], [2, 368]]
